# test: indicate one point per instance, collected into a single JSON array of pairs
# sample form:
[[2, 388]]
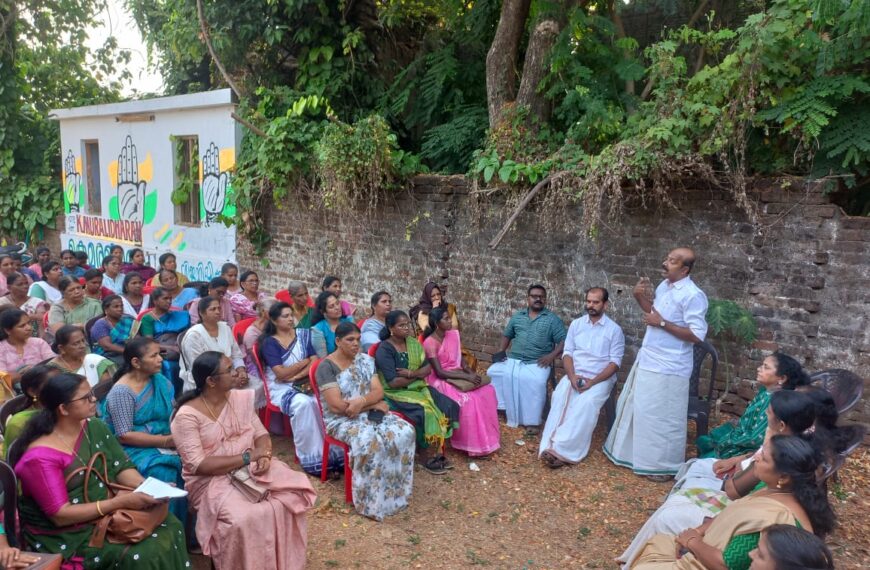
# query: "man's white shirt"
[[593, 346]]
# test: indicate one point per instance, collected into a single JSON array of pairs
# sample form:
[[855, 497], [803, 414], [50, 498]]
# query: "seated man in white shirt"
[[592, 356]]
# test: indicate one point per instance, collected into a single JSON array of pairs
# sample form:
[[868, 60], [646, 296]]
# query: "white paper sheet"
[[160, 490]]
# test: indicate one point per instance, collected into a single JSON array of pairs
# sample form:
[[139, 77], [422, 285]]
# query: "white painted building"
[[123, 161]]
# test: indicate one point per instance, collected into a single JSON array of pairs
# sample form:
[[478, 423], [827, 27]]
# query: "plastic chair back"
[[241, 327], [699, 406], [373, 349], [845, 387], [89, 326], [11, 407], [10, 502]]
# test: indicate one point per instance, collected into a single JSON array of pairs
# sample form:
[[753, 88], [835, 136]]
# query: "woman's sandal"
[[445, 463], [434, 466]]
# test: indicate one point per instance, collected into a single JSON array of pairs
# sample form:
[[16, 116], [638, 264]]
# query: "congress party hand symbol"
[[214, 184], [131, 190]]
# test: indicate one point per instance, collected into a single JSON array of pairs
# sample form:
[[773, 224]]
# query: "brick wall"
[[803, 270]]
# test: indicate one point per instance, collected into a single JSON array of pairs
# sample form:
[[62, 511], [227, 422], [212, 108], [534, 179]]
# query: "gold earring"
[[779, 484]]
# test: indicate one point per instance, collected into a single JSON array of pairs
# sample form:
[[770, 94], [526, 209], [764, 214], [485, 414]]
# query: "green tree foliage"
[[764, 86], [44, 64]]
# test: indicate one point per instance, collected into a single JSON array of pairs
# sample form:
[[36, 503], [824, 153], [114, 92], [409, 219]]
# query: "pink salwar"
[[236, 533], [478, 431]]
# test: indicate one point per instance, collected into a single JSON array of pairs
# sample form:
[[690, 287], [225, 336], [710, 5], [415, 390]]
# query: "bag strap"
[[104, 476], [98, 536]]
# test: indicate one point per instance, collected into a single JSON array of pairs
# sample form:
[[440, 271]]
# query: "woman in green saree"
[[402, 368], [55, 518]]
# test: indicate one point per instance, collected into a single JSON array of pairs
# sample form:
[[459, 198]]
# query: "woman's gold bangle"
[[99, 510]]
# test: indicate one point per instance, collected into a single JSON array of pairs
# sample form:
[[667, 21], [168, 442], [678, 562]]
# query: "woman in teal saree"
[[55, 516], [137, 411]]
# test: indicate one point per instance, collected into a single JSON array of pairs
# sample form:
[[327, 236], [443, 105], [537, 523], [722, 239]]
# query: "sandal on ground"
[[533, 431], [434, 466], [659, 478], [445, 463], [552, 461]]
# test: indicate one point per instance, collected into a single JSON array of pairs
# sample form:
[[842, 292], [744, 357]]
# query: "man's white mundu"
[[592, 346], [649, 435]]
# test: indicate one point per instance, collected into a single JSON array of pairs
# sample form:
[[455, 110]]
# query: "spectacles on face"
[[231, 371], [539, 297], [90, 396]]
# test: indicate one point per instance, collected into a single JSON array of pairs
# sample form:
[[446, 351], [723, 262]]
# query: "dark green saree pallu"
[[44, 474]]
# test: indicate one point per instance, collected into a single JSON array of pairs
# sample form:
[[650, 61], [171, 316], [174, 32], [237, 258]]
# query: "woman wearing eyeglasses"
[[59, 440], [137, 411], [218, 433]]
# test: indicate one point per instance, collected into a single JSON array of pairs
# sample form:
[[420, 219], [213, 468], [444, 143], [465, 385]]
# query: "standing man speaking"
[[649, 435]]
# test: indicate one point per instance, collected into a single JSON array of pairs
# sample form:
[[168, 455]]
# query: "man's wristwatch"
[[662, 324]]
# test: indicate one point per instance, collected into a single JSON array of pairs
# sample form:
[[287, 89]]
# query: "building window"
[[92, 177], [186, 193]]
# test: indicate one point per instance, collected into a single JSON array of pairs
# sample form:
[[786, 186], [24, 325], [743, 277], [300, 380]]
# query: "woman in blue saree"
[[137, 411], [286, 353], [164, 324]]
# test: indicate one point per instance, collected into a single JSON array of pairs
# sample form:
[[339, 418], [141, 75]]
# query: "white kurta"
[[573, 416], [649, 434]]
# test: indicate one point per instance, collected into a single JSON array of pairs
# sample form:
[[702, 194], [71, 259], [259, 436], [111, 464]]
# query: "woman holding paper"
[[218, 434], [56, 518], [137, 411]]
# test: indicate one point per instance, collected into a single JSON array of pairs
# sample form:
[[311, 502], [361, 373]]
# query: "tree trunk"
[[535, 68], [501, 60]]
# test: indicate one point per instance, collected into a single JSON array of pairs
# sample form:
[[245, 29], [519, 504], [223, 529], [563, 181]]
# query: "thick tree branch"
[[253, 129], [207, 39]]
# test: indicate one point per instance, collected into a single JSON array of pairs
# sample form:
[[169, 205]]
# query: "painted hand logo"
[[131, 190], [72, 187], [214, 184]]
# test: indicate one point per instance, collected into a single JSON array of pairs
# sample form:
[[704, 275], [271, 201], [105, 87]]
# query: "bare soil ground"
[[517, 513]]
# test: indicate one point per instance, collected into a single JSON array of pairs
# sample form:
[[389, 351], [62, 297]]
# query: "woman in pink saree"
[[478, 431], [216, 433]]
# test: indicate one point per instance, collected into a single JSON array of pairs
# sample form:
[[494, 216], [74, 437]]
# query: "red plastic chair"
[[360, 323], [373, 349], [328, 440], [241, 327], [148, 286], [284, 296], [270, 407]]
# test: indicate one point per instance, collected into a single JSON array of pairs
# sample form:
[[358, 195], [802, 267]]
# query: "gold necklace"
[[210, 411]]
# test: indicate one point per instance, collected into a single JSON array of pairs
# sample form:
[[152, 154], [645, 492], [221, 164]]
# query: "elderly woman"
[[296, 295], [49, 458], [286, 354], [218, 434], [478, 432], [113, 279], [137, 410], [402, 368], [111, 333], [164, 324], [212, 334], [74, 357], [787, 465], [137, 265], [327, 316], [46, 289], [382, 304], [18, 298], [19, 349], [132, 296], [777, 372], [74, 308], [354, 411], [243, 301]]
